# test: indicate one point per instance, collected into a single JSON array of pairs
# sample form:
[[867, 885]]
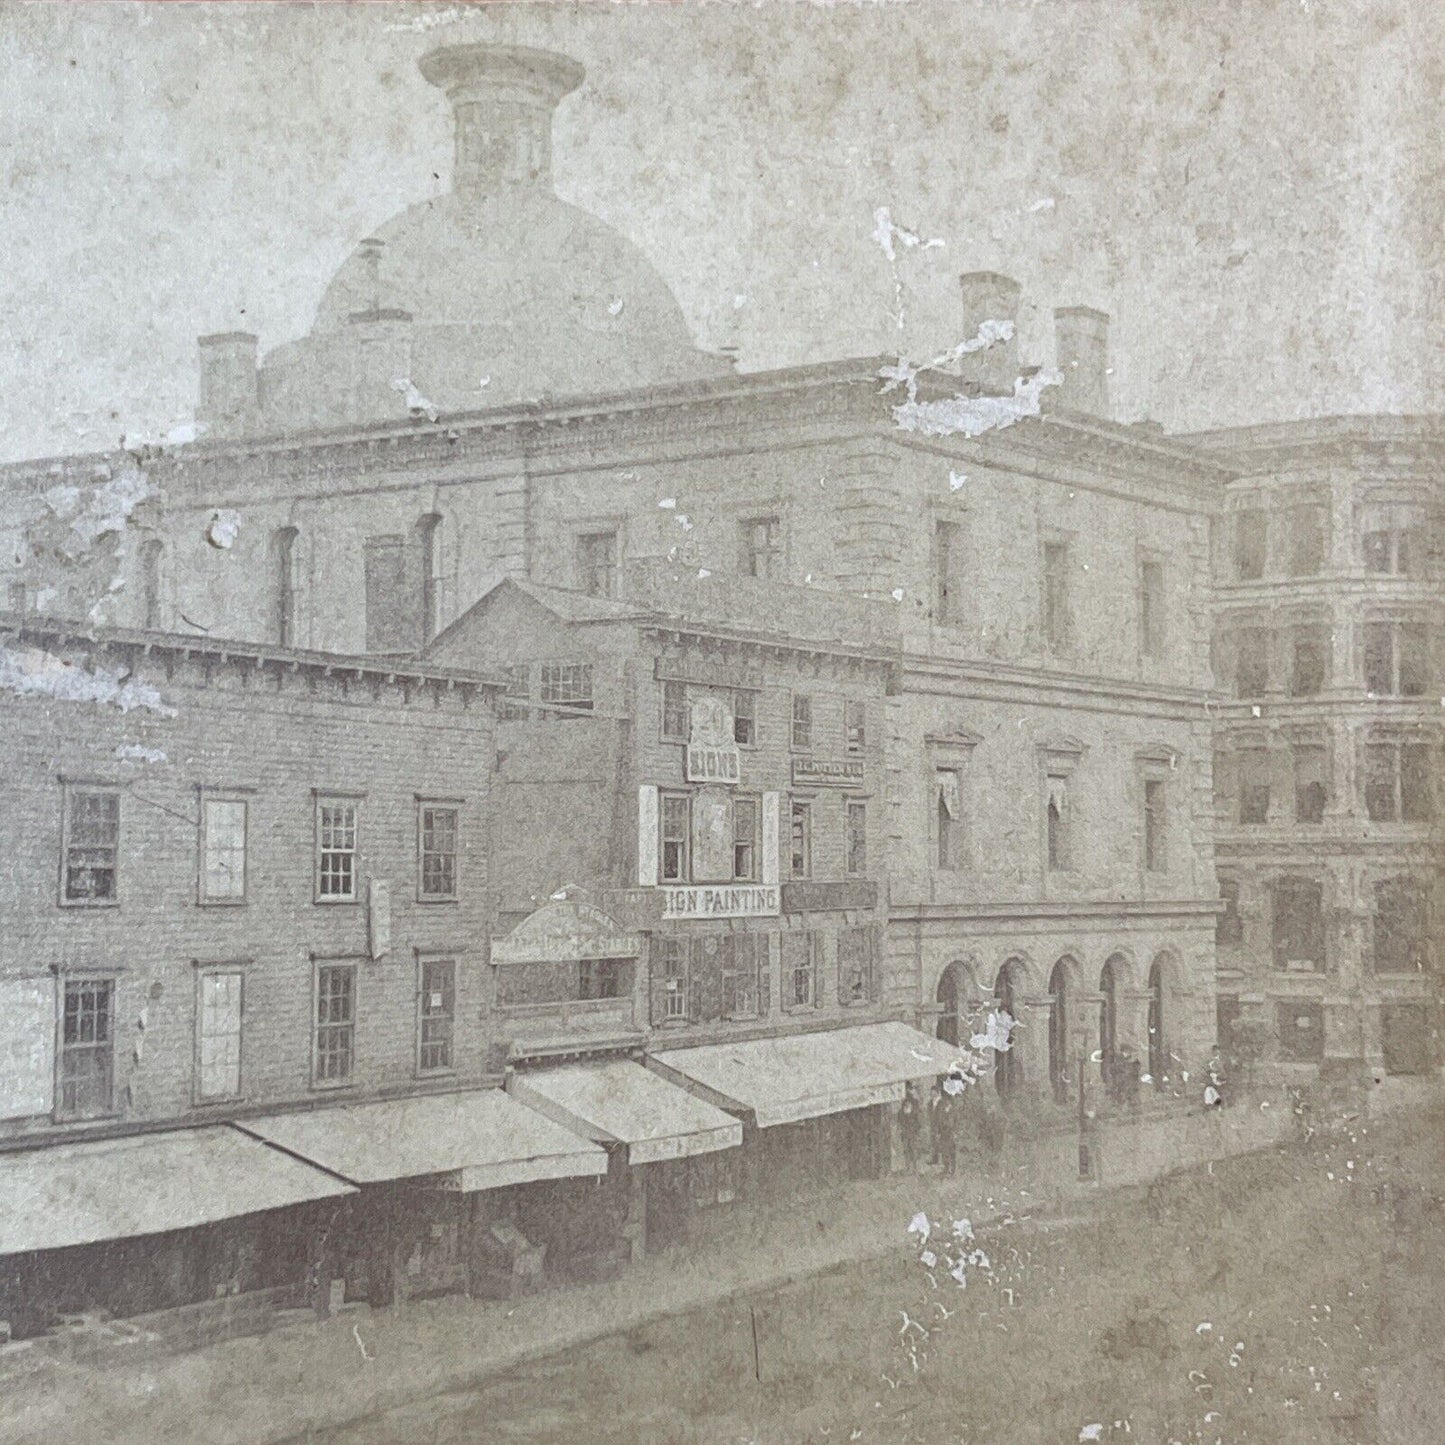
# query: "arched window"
[[951, 993], [1059, 1032], [150, 585], [1158, 1050], [1008, 1066], [283, 582], [427, 535], [1108, 1021]]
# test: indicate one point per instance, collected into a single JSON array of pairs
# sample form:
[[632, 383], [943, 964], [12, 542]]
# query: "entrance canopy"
[[481, 1139], [621, 1103], [84, 1193], [803, 1076]]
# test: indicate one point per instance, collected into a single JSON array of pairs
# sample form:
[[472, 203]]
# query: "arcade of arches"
[[1120, 1030]]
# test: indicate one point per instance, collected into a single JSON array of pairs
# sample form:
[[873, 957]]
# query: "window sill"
[[99, 1117], [447, 1073], [89, 902], [333, 902], [425, 898], [222, 902], [333, 1086]]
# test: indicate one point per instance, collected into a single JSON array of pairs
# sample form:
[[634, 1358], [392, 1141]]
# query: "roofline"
[[63, 631], [1387, 427]]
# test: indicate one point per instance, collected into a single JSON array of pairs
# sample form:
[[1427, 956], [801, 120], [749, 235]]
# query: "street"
[[1280, 1297]]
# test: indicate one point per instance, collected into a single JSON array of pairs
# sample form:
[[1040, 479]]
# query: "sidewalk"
[[313, 1374]]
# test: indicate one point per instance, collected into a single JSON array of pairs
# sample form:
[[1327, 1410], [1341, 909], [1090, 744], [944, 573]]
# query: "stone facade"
[[1328, 618]]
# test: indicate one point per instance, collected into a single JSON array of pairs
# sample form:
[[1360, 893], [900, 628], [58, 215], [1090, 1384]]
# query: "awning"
[[67, 1194], [803, 1076], [621, 1103], [481, 1139]]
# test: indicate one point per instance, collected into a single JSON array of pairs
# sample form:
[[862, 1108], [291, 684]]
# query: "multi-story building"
[[1328, 616], [1046, 806], [245, 905], [690, 864]]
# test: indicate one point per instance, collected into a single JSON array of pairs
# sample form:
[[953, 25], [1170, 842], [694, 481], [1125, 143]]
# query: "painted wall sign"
[[742, 900], [713, 765], [828, 773]]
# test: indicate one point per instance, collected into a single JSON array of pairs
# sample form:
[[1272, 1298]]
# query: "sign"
[[821, 773], [564, 931], [740, 900], [712, 751], [378, 917], [713, 765]]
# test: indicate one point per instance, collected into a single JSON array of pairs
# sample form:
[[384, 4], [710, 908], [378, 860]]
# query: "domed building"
[[495, 293]]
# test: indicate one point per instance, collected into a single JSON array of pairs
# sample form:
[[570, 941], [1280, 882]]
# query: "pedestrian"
[[945, 1124], [910, 1127]]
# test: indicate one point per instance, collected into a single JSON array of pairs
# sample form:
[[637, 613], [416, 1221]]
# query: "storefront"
[[129, 1226], [817, 1107], [435, 1175], [661, 1139]]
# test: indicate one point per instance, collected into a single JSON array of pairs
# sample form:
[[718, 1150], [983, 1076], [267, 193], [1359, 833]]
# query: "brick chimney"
[[229, 396], [988, 296], [1081, 337], [502, 100]]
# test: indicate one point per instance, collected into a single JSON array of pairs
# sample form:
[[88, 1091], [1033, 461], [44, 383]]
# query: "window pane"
[[674, 710], [802, 840], [744, 719], [857, 838], [1414, 659], [336, 856], [1417, 783], [87, 1050], [437, 1013], [802, 722], [1251, 539], [223, 871], [220, 1035], [92, 846], [1378, 659], [439, 852]]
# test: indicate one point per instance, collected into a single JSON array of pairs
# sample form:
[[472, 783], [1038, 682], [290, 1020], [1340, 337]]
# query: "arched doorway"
[[1158, 1049], [1108, 1021], [1008, 1066], [1059, 1031], [952, 1001]]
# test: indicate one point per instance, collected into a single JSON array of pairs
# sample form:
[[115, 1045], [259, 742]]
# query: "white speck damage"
[[416, 403], [223, 528], [887, 232], [33, 672], [138, 753], [95, 511], [972, 416]]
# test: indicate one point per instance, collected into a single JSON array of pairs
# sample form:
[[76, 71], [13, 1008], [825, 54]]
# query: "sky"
[[1250, 189]]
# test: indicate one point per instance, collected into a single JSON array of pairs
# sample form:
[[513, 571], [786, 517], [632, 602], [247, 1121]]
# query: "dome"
[[497, 292]]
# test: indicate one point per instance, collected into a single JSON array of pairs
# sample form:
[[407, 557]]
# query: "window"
[[91, 847], [761, 540], [597, 563], [1057, 622], [855, 725], [335, 850], [1399, 786], [1393, 545], [675, 717], [1229, 925], [802, 736], [1056, 822], [1305, 525], [947, 572], [948, 810], [427, 528], [218, 1034], [87, 1048], [1310, 663], [436, 1015], [1311, 782], [800, 824], [599, 978], [745, 720], [675, 817], [284, 585], [672, 968], [1396, 658], [1251, 543], [223, 850], [1254, 768], [391, 624], [1301, 1032], [438, 840], [745, 838], [802, 951], [1298, 923], [1151, 609], [1156, 858], [512, 705], [567, 684], [856, 838], [335, 1022], [1251, 664], [855, 965], [743, 956], [1402, 929], [150, 572]]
